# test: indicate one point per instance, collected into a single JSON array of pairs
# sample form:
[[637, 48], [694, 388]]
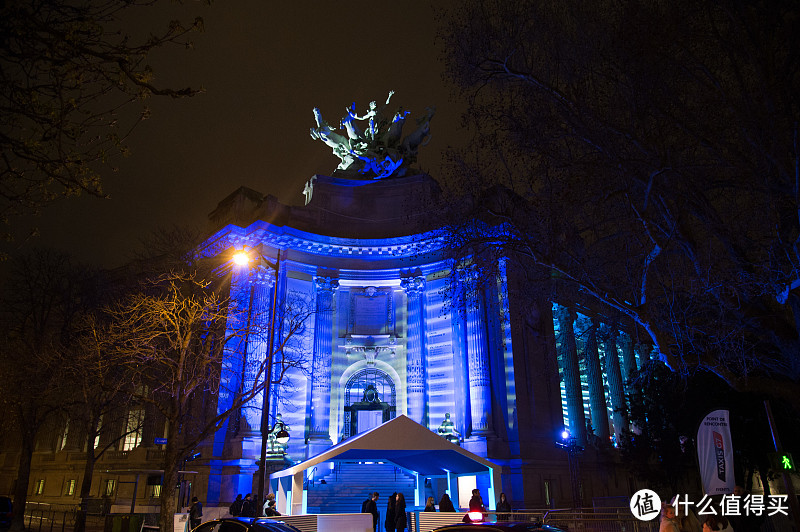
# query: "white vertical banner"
[[715, 453]]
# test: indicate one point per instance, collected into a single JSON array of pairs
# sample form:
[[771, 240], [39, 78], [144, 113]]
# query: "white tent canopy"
[[400, 441]]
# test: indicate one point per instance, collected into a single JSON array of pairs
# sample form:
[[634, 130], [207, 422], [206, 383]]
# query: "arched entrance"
[[369, 400]]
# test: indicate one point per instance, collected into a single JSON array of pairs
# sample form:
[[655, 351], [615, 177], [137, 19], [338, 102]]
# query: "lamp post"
[[243, 259], [570, 444]]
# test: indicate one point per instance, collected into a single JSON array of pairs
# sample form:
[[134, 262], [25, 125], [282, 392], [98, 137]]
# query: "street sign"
[[160, 441]]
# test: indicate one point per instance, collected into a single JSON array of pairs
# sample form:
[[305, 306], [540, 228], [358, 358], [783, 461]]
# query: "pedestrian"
[[503, 506], [195, 513], [270, 499], [236, 506], [477, 510], [714, 523], [445, 504], [248, 509], [270, 510], [370, 506], [669, 522], [389, 522], [430, 506], [400, 518]]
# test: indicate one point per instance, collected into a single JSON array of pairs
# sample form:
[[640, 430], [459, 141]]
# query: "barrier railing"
[[43, 517]]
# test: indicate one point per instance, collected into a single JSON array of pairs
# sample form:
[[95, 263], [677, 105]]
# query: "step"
[[346, 487]]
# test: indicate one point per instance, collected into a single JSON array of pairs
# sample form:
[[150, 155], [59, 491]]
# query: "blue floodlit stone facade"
[[380, 339], [384, 340]]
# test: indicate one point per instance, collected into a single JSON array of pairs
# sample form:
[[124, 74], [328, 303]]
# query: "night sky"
[[264, 69]]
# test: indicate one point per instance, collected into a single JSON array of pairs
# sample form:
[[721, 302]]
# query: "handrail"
[[309, 481]]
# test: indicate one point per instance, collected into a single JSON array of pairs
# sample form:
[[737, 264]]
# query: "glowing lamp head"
[[240, 258], [565, 434], [282, 437]]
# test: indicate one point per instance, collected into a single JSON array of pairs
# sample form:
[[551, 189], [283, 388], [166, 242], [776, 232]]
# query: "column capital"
[[326, 284], [263, 275], [468, 273], [413, 285]]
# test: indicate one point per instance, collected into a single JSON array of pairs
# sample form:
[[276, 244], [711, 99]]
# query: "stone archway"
[[369, 400]]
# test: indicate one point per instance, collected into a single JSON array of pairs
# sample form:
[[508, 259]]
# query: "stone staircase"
[[347, 486]]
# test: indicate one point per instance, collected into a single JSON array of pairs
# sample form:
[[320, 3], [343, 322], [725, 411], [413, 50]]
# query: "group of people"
[[397, 519], [247, 507]]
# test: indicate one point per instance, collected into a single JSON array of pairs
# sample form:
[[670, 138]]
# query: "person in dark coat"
[[370, 506], [400, 519], [503, 506], [195, 513], [475, 506], [445, 504], [390, 513], [270, 510], [236, 506], [430, 505], [248, 509]]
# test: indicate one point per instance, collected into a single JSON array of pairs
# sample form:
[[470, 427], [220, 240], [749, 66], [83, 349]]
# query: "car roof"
[[503, 526], [260, 522]]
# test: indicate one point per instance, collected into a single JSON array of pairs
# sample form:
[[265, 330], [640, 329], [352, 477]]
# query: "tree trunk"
[[23, 480], [172, 459], [86, 484]]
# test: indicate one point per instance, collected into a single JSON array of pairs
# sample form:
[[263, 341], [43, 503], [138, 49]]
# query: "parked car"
[[244, 524], [503, 526], [6, 512]]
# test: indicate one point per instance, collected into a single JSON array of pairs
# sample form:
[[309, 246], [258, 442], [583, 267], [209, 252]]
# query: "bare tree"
[[172, 335], [41, 300], [642, 157], [67, 73], [100, 399]]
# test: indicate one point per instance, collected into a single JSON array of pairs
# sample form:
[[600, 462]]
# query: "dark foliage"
[[642, 157], [68, 75]]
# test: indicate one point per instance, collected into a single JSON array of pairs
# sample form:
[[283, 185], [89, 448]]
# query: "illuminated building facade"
[[382, 338], [390, 336]]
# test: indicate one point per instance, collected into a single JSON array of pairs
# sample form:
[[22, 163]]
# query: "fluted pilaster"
[[477, 358], [262, 281], [323, 354], [415, 366]]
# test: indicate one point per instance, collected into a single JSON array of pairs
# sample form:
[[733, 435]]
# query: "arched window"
[[369, 400]]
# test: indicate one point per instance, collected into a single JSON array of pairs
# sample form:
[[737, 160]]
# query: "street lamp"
[[279, 433], [574, 450], [242, 259]]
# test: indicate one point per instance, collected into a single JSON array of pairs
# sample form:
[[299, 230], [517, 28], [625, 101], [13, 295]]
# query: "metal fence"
[[43, 517]]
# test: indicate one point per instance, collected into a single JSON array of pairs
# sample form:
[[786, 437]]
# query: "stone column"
[[594, 375], [615, 386], [262, 280], [628, 357], [480, 394], [319, 437], [415, 366], [572, 375]]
